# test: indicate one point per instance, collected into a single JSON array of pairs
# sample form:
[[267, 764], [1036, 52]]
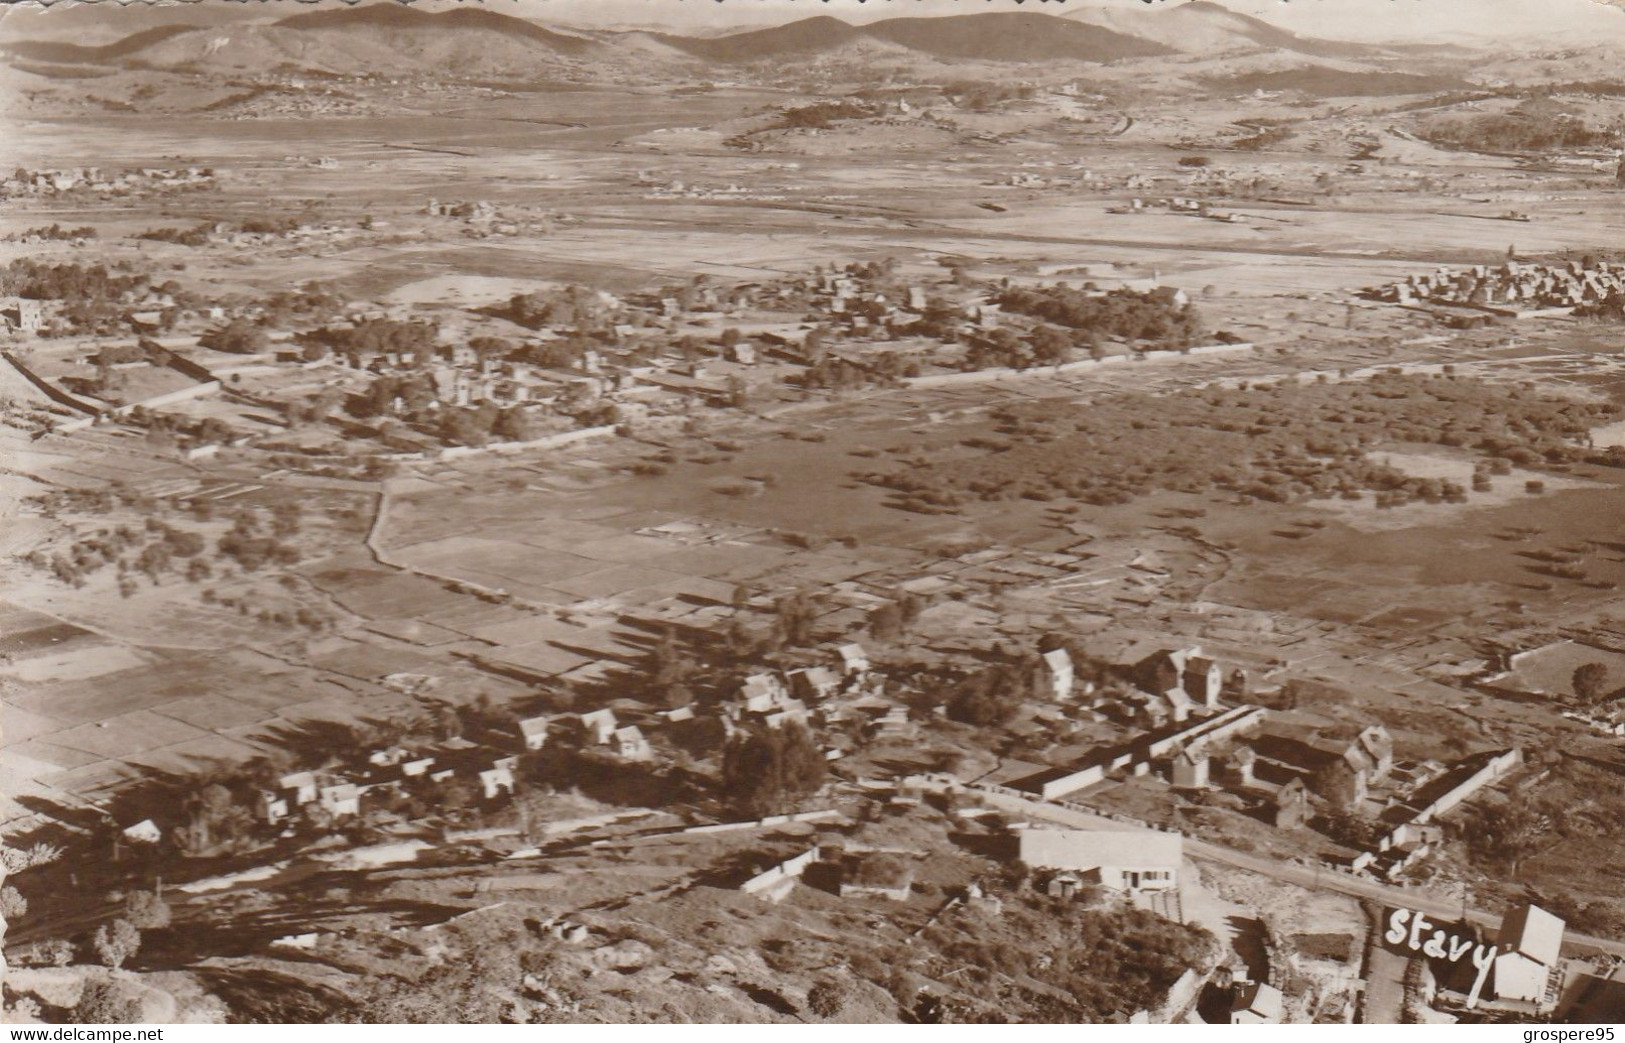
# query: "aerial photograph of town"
[[641, 512]]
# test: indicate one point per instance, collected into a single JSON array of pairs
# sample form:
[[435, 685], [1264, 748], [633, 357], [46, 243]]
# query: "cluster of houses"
[[94, 179], [489, 766], [1286, 764], [1512, 286]]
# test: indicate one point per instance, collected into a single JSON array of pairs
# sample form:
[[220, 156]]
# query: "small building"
[[793, 711], [22, 313], [854, 660], [1203, 680], [1067, 884], [1123, 860], [1058, 676], [271, 807], [1290, 806], [496, 781], [815, 683], [631, 745], [1256, 1004], [533, 732], [1189, 769], [679, 715], [761, 691], [1528, 946], [340, 800], [598, 727], [1378, 746], [300, 786], [144, 832]]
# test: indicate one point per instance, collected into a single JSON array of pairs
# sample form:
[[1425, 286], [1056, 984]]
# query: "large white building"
[[1139, 860], [1527, 952]]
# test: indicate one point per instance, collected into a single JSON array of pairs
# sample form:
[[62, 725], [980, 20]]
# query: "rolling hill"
[[474, 43], [1205, 27], [1017, 36]]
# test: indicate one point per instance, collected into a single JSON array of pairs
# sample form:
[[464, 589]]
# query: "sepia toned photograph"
[[662, 512]]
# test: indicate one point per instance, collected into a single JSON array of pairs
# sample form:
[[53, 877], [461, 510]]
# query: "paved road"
[[1304, 876]]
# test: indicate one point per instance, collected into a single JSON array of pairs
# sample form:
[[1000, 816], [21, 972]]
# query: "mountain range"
[[389, 38]]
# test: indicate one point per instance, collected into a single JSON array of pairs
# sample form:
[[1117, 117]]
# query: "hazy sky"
[[1594, 21]]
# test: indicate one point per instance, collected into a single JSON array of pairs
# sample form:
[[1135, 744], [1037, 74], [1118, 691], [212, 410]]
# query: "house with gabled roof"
[[1528, 947], [1057, 676], [598, 727], [341, 799], [854, 660], [1189, 768], [533, 732], [496, 781], [814, 683], [1123, 860], [144, 832], [630, 744], [301, 787]]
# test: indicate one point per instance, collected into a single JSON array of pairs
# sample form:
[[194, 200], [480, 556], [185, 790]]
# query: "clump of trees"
[[197, 235], [57, 232], [1154, 315], [768, 771], [237, 337], [1590, 683], [1531, 127], [822, 114], [372, 337]]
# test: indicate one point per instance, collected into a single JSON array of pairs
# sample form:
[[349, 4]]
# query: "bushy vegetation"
[[1112, 962], [769, 771], [1535, 126], [58, 233], [1155, 315], [375, 337], [1282, 443], [197, 235], [70, 283], [823, 113]]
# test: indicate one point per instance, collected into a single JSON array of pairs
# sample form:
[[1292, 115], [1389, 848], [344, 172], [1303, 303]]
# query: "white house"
[[1059, 677], [1528, 946], [533, 732], [272, 808], [144, 832], [631, 745], [854, 660], [598, 727], [496, 780], [301, 787], [1139, 860], [761, 692], [341, 800]]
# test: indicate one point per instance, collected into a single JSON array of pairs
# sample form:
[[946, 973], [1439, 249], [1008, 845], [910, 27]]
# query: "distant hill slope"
[[1021, 36], [397, 17], [807, 36], [1203, 27], [1018, 36], [378, 38], [475, 42], [71, 53]]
